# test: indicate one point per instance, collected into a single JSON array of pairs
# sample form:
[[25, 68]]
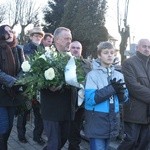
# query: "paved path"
[[14, 144]]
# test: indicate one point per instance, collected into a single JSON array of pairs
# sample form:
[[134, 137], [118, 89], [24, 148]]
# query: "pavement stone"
[[14, 144]]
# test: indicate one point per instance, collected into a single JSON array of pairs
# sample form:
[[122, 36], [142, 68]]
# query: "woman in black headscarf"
[[11, 58]]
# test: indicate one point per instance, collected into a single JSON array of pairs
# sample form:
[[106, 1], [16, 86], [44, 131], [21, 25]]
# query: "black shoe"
[[23, 140], [40, 141]]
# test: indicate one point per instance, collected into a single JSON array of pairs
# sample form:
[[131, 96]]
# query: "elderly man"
[[76, 48], [136, 113], [57, 103], [74, 136], [36, 35]]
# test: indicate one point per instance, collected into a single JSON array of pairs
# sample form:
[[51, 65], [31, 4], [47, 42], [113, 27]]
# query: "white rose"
[[55, 54], [43, 56], [25, 66], [48, 54], [49, 74]]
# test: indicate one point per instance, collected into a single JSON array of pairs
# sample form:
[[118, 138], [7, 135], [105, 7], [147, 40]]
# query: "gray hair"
[[59, 30], [104, 45]]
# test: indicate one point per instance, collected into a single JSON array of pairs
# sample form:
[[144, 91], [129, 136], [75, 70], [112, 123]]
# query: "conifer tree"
[[53, 14], [86, 19]]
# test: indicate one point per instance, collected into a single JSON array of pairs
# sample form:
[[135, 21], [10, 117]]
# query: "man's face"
[[48, 41], [107, 57], [76, 49], [144, 47], [64, 40], [36, 38]]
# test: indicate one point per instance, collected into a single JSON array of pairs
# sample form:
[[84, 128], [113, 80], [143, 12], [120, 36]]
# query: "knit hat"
[[37, 30]]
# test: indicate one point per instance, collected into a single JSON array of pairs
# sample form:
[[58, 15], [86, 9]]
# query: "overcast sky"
[[138, 18]]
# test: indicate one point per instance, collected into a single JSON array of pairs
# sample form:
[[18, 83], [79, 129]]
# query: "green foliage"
[[53, 14], [80, 71], [86, 19], [35, 79]]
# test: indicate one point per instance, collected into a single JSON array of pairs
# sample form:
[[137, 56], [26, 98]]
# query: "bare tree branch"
[[2, 12], [23, 12]]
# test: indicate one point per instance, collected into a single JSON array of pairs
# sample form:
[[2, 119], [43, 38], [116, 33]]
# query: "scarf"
[[7, 59]]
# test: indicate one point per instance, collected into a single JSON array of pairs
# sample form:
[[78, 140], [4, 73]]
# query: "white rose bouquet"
[[43, 70]]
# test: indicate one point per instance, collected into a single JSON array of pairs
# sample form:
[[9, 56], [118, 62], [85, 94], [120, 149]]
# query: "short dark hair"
[[47, 35]]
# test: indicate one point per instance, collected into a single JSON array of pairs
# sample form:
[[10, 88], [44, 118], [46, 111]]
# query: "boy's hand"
[[117, 85]]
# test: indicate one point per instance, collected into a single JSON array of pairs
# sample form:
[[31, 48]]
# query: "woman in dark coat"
[[11, 57]]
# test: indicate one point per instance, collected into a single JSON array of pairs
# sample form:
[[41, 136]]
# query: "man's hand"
[[17, 88]]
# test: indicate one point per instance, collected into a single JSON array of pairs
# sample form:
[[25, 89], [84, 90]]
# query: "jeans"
[[6, 123], [99, 144], [57, 134], [6, 118]]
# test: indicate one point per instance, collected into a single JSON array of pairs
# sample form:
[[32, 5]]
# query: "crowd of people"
[[58, 113]]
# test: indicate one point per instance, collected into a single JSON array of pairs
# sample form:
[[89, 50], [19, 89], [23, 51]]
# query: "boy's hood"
[[96, 65]]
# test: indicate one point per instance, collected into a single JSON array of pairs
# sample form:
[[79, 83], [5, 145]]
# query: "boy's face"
[[106, 57]]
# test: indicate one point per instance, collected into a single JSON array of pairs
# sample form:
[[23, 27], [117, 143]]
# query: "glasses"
[[146, 46], [73, 47], [37, 35]]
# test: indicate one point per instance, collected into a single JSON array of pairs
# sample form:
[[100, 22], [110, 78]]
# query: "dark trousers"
[[75, 128], [57, 134], [38, 122], [6, 124], [21, 123], [137, 137]]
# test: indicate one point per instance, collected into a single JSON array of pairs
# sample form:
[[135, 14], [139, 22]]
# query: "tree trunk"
[[22, 35], [125, 34]]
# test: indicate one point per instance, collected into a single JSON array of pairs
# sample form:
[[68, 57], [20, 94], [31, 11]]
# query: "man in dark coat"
[[76, 125], [136, 113], [36, 35], [57, 104]]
